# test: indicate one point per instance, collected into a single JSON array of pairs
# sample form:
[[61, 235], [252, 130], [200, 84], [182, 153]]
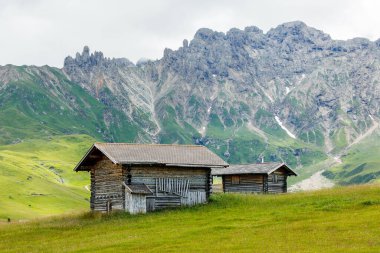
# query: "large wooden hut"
[[146, 177], [255, 178]]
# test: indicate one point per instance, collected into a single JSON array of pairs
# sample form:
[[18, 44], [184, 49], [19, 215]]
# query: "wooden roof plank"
[[164, 154]]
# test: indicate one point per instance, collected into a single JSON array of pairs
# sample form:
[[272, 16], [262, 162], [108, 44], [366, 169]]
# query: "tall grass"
[[334, 220]]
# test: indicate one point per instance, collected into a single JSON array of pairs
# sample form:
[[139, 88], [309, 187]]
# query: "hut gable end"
[[255, 178]]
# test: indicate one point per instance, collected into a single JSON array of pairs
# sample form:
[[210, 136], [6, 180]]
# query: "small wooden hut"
[[255, 178], [146, 177]]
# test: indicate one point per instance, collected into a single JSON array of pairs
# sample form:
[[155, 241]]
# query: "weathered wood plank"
[[106, 186]]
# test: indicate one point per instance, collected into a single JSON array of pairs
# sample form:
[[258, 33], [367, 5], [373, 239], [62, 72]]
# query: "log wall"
[[161, 202], [277, 182], [107, 191], [199, 184], [249, 183]]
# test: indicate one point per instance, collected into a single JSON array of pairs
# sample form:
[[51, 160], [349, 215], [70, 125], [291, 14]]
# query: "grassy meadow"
[[345, 219], [37, 178]]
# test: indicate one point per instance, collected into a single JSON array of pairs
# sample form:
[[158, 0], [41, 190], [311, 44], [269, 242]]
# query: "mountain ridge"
[[224, 90]]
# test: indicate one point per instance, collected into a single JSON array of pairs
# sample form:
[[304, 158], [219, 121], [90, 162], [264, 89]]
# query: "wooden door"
[[150, 204]]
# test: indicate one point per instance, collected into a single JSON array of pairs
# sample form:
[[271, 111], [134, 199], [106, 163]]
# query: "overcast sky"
[[43, 32]]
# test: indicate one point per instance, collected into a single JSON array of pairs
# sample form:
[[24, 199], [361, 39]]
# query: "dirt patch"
[[315, 182]]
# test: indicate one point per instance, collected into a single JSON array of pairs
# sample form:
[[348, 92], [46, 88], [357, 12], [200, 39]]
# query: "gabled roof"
[[255, 168], [164, 154]]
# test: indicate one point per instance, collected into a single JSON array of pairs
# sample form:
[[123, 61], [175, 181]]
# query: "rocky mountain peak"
[[294, 72], [253, 29], [207, 34], [86, 51], [297, 31], [377, 42], [185, 43], [231, 91], [87, 61]]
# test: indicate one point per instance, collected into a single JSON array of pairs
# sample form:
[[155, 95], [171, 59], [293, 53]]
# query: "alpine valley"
[[292, 94]]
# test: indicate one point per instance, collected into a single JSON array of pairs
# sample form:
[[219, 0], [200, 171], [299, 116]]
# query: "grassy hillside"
[[36, 177], [361, 164], [238, 143], [336, 220], [246, 146], [45, 103]]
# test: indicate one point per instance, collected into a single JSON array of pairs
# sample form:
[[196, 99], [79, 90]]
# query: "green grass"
[[339, 139], [246, 146], [335, 220], [36, 177], [33, 108], [174, 130], [361, 164]]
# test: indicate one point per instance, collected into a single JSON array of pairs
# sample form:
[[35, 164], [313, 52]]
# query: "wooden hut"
[[255, 178], [146, 177]]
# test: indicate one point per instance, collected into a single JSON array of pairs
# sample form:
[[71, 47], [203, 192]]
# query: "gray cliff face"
[[117, 83], [238, 89], [316, 86]]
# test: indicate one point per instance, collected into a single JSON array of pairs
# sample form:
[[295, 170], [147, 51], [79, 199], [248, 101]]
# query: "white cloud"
[[45, 31]]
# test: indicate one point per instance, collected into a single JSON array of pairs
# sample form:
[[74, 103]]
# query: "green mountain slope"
[[360, 164], [240, 143], [36, 177], [339, 220], [42, 102], [42, 111]]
